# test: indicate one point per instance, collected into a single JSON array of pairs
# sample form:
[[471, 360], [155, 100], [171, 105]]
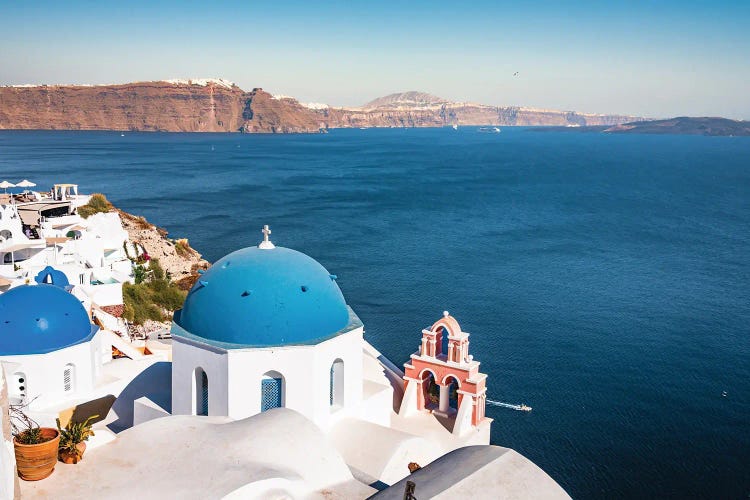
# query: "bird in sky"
[[515, 74]]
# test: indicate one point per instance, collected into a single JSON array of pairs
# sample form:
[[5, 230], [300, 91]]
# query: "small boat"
[[491, 130], [521, 407], [455, 126], [122, 134]]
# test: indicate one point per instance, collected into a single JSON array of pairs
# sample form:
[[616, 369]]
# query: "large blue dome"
[[40, 319], [265, 297]]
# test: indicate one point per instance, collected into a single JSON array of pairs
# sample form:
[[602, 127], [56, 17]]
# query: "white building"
[[38, 230], [49, 350], [268, 327]]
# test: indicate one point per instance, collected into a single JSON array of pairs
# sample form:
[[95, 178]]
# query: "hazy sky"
[[655, 58]]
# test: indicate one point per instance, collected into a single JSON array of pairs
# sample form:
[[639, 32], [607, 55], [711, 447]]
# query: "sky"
[[644, 58]]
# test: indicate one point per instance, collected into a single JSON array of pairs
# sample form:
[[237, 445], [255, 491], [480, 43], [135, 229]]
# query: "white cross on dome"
[[266, 243]]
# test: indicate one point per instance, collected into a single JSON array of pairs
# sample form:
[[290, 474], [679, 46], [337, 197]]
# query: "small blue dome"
[[40, 319], [265, 297], [52, 276]]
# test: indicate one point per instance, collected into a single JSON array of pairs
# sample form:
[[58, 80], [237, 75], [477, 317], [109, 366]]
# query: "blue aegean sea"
[[604, 279]]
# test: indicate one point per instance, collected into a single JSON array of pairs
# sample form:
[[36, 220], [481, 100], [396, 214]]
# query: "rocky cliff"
[[176, 257], [147, 106], [208, 105]]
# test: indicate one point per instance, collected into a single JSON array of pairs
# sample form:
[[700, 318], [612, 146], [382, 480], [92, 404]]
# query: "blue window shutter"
[[271, 389]]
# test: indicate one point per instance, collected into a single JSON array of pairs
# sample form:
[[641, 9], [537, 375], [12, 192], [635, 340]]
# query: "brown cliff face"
[[146, 106], [466, 114], [216, 106], [265, 113]]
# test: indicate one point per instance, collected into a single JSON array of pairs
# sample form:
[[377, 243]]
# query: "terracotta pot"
[[37, 461], [69, 457]]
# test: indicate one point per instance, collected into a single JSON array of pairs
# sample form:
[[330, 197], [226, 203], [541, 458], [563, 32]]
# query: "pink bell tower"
[[454, 373]]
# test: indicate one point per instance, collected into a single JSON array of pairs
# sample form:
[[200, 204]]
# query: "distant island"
[[217, 105], [683, 125]]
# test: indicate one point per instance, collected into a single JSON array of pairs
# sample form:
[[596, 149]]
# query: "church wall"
[[185, 359], [306, 373], [246, 370], [349, 348], [43, 373]]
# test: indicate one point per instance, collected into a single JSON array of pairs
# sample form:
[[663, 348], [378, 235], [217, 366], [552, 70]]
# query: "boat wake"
[[521, 407]]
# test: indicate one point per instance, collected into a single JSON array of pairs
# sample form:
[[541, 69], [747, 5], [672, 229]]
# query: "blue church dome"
[[52, 276], [40, 319], [259, 297]]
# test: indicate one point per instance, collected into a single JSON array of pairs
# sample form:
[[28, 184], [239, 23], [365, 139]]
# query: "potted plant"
[[73, 439], [35, 447]]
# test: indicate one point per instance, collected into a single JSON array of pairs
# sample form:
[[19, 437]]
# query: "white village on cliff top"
[[264, 387]]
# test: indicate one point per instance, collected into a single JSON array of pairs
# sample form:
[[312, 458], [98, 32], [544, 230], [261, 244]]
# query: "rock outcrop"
[[177, 257], [219, 106]]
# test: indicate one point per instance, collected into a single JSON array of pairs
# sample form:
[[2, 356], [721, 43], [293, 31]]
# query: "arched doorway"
[[200, 392], [336, 399], [272, 391]]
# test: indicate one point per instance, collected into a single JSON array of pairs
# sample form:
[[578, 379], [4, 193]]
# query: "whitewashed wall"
[[8, 477], [234, 377], [44, 373]]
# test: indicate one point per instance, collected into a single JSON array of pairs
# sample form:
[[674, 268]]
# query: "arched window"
[[69, 378], [336, 398], [444, 341], [271, 391], [18, 385], [200, 392]]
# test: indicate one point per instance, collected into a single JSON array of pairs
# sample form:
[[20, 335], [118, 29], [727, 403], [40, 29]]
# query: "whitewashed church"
[[271, 377], [267, 327]]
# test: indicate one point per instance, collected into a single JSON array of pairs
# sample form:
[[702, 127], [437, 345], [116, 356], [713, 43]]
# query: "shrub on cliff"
[[151, 296], [138, 304], [98, 203], [182, 247]]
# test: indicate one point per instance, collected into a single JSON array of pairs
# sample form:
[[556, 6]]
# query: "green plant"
[[152, 294], [138, 304], [98, 203], [139, 273], [75, 433], [157, 272]]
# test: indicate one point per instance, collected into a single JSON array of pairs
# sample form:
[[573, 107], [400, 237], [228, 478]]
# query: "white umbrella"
[[25, 184], [5, 185]]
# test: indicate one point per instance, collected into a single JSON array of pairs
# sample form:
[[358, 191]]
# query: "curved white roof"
[[277, 452], [479, 472]]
